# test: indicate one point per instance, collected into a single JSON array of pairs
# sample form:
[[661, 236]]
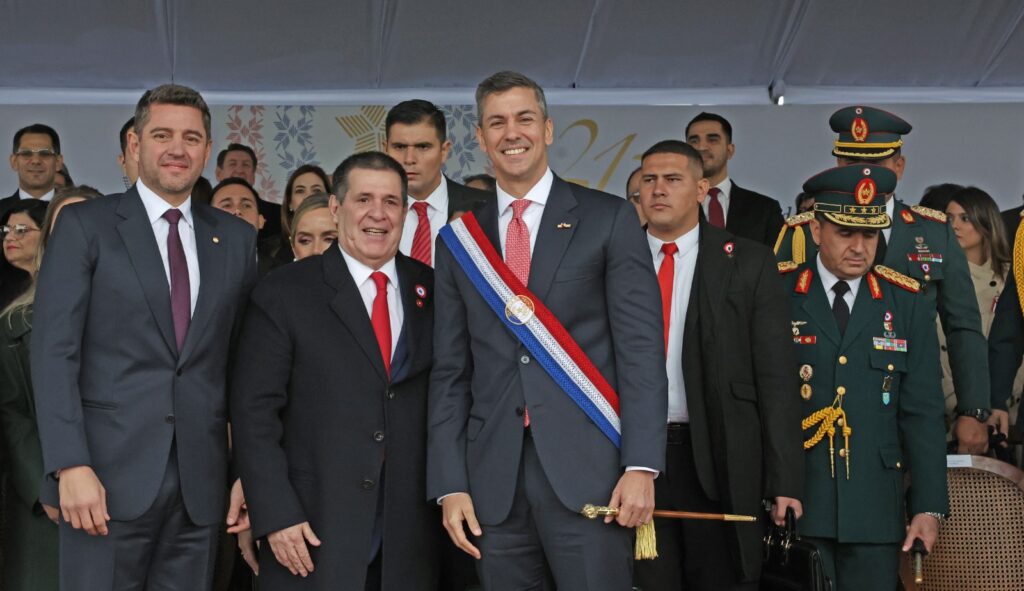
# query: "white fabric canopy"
[[581, 51]]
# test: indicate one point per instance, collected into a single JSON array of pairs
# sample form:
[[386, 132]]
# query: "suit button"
[[842, 453], [525, 360], [519, 411], [841, 390], [378, 436], [169, 419], [178, 373], [391, 394], [890, 367], [842, 360], [368, 484], [899, 465]]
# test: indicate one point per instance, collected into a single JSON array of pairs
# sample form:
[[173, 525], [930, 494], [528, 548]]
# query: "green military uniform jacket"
[[893, 403], [30, 538], [923, 246]]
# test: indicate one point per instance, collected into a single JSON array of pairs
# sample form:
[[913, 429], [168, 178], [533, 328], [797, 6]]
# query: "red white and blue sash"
[[534, 325]]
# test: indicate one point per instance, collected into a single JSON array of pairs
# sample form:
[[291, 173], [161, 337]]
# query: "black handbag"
[[791, 564]]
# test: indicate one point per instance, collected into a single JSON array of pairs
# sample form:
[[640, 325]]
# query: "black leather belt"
[[678, 433]]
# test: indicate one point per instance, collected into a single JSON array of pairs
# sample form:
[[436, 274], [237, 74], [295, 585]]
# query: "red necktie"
[[381, 318], [517, 242], [517, 255], [666, 277], [715, 213], [181, 292], [421, 239]]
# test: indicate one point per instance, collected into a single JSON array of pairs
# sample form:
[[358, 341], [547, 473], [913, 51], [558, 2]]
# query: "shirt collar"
[[725, 186], [684, 243], [828, 279], [438, 198], [360, 272], [538, 193], [47, 197], [890, 208], [156, 206]]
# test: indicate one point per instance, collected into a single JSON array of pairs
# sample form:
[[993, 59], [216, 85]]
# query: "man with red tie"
[[729, 206], [417, 137], [329, 399], [734, 434]]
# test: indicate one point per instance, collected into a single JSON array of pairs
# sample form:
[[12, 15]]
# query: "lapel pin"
[[421, 292], [729, 248], [216, 240], [564, 225], [419, 303]]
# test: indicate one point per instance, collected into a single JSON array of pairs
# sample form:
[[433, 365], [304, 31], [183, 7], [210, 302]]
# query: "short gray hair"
[[171, 94], [372, 160], [505, 81]]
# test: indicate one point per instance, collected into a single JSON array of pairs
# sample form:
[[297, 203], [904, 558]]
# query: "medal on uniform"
[[886, 387], [806, 372], [519, 310], [805, 391]]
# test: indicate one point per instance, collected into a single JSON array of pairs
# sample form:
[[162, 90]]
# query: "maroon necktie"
[[181, 291], [716, 215]]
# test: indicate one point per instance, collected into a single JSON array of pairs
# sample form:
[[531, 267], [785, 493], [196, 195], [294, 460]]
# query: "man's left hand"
[[634, 498], [922, 526], [238, 515], [779, 506], [971, 435]]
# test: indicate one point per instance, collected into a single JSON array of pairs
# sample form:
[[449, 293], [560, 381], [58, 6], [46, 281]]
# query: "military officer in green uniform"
[[868, 361], [1006, 338], [920, 244]]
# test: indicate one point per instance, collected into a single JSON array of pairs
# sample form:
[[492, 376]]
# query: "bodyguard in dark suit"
[[417, 137], [136, 305], [739, 211], [733, 429], [510, 454], [329, 401], [1006, 338], [1011, 218]]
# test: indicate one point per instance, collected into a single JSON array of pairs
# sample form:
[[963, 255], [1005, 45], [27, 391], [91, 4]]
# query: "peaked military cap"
[[867, 132], [854, 195]]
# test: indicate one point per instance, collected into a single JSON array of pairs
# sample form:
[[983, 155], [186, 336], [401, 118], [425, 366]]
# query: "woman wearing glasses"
[[29, 539], [20, 226]]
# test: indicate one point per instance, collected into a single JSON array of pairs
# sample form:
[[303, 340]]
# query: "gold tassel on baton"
[[646, 542]]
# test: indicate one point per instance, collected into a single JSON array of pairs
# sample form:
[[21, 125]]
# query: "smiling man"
[[329, 402], [513, 455], [417, 137], [36, 158], [137, 301]]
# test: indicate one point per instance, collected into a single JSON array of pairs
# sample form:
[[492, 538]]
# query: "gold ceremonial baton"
[[594, 511], [646, 543]]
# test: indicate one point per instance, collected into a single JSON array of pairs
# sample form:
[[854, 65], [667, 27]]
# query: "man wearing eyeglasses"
[[36, 158]]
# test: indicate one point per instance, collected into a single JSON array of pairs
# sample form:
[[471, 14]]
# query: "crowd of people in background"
[[385, 355]]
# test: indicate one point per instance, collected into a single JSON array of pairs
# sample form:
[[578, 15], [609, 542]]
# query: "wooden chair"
[[981, 546]]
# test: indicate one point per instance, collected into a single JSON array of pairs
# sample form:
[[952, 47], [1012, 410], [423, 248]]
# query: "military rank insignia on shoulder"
[[803, 282], [799, 219], [787, 267], [908, 218], [896, 278], [929, 213]]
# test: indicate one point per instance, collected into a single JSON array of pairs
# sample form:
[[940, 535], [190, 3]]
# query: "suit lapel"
[[713, 265], [211, 260], [348, 305], [552, 240], [736, 217], [414, 326], [140, 243], [488, 220], [815, 304]]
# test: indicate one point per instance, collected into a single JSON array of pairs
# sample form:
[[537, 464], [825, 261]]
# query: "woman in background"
[[307, 180], [976, 222], [313, 227], [30, 538]]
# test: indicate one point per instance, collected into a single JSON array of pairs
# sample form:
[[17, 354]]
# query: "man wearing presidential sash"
[[548, 389]]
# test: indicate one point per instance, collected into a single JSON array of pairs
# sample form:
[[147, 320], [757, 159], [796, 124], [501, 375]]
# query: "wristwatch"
[[979, 414], [938, 516]]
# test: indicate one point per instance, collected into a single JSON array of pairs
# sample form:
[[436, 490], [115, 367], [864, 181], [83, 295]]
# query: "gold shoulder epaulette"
[[799, 219], [788, 266], [896, 278], [927, 212]]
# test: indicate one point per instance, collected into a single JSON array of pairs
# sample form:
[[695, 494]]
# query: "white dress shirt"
[[682, 284], [531, 217], [47, 197], [368, 290], [828, 280], [723, 197], [155, 209], [437, 215], [890, 210]]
